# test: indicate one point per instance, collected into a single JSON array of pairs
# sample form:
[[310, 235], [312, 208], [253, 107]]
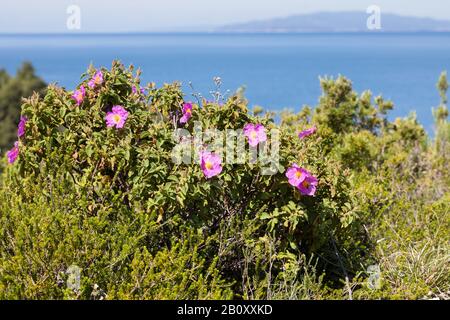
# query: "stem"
[[347, 281]]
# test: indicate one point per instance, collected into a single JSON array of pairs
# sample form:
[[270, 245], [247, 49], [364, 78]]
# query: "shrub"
[[98, 191], [112, 201]]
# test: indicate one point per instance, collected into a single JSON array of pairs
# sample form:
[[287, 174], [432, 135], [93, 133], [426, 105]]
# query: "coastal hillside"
[[338, 22]]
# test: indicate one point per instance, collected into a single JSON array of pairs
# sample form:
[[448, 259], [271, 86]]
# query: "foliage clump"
[[111, 201], [12, 89]]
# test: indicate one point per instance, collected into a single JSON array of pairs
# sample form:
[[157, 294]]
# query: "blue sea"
[[278, 70]]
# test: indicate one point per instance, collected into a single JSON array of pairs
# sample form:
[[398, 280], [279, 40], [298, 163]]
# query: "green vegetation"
[[12, 89], [112, 203]]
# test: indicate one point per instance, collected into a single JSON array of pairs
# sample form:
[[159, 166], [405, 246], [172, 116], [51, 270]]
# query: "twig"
[[347, 281]]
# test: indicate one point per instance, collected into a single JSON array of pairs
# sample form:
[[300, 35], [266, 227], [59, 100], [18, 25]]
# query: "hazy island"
[[338, 22]]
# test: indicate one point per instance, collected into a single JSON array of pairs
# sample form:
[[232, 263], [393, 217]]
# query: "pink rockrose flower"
[[96, 80], [22, 126], [302, 179], [296, 175], [308, 186], [210, 163], [79, 95], [116, 117], [255, 133], [13, 154], [307, 132], [135, 91], [187, 112]]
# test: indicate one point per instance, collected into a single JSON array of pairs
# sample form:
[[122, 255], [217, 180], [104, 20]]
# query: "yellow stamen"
[[116, 118], [208, 165]]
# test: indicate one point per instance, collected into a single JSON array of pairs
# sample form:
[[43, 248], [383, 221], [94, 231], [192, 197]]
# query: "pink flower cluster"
[[96, 80], [79, 95], [307, 132], [187, 112], [255, 134], [21, 127], [134, 90], [116, 117], [210, 163], [13, 154], [302, 179]]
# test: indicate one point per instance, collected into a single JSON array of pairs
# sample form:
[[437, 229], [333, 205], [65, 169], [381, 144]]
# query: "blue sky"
[[188, 15]]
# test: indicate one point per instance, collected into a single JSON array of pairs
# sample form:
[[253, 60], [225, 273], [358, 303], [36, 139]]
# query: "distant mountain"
[[339, 22]]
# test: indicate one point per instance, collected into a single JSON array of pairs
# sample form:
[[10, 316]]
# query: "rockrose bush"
[[98, 200]]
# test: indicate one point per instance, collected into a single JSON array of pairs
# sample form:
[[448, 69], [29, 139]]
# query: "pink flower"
[[308, 186], [296, 175], [13, 154], [96, 80], [302, 179], [210, 163], [21, 127], [307, 132], [117, 117], [135, 91], [79, 95], [187, 112], [255, 134]]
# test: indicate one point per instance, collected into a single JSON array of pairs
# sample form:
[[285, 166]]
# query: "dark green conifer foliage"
[[12, 90]]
